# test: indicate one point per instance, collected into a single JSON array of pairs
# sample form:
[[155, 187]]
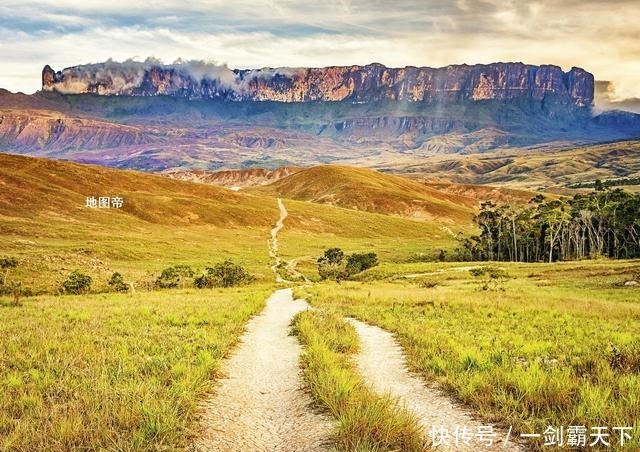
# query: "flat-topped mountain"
[[373, 82], [201, 117]]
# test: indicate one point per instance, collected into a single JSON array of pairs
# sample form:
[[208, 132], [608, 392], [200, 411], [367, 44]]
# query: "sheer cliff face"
[[499, 81]]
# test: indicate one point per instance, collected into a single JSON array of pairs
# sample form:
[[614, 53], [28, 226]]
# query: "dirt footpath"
[[382, 364], [261, 404]]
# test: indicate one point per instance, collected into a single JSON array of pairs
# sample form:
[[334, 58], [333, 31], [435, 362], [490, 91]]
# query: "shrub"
[[357, 263], [333, 265], [77, 283], [225, 274], [330, 264], [427, 283], [116, 282], [7, 263], [490, 271], [174, 276], [492, 276]]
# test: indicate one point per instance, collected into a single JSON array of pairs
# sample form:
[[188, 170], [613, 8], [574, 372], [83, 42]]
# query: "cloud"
[[602, 37], [606, 99]]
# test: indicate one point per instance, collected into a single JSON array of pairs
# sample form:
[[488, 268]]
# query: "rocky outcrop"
[[38, 130], [544, 85], [234, 178]]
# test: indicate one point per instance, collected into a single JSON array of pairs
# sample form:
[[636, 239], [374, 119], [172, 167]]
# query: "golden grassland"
[[111, 371], [45, 225], [312, 228], [532, 169], [48, 252], [366, 421], [372, 191], [553, 345]]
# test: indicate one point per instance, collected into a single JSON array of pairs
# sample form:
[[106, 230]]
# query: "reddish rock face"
[[374, 82], [48, 77]]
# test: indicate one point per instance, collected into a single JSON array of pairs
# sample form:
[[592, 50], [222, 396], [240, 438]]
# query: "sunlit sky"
[[602, 37]]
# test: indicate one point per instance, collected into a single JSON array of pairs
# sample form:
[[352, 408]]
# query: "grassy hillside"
[[45, 224], [480, 193], [532, 169], [113, 371], [311, 228], [553, 345], [371, 191]]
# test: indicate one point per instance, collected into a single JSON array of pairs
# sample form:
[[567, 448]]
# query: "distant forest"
[[599, 184], [602, 223]]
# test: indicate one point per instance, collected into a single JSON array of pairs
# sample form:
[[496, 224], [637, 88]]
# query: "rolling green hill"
[[371, 191], [45, 224]]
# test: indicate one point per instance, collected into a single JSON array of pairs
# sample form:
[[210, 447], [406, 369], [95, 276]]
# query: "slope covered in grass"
[[371, 191], [36, 187], [112, 371], [552, 345], [45, 224], [47, 227], [532, 169]]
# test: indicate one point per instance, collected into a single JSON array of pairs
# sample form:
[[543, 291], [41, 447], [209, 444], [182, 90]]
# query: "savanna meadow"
[[120, 341], [300, 226]]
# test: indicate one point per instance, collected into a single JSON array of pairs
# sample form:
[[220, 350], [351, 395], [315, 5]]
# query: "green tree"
[[77, 283], [331, 264], [175, 276], [604, 222], [116, 282], [225, 274], [359, 262]]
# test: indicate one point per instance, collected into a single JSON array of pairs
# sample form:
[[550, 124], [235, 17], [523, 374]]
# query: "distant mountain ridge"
[[373, 82], [201, 117]]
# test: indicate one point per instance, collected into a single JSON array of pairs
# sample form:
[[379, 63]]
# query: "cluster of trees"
[[334, 264], [602, 223], [601, 184], [175, 276], [77, 283]]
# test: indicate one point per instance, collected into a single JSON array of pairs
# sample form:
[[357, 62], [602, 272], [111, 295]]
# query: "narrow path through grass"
[[259, 405], [366, 421]]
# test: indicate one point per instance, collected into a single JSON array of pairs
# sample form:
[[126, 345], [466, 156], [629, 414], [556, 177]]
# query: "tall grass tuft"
[[366, 420]]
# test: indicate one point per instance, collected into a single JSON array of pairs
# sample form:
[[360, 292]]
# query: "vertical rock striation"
[[503, 82]]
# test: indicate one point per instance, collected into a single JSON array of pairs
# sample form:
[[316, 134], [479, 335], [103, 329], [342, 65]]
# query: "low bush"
[[117, 284], [333, 264], [77, 283], [6, 264], [359, 262], [491, 276], [427, 283], [175, 276], [224, 274]]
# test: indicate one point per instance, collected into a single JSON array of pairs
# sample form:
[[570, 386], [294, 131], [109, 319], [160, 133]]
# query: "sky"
[[602, 37]]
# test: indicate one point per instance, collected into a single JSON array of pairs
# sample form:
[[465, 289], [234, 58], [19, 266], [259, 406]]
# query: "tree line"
[[602, 223]]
